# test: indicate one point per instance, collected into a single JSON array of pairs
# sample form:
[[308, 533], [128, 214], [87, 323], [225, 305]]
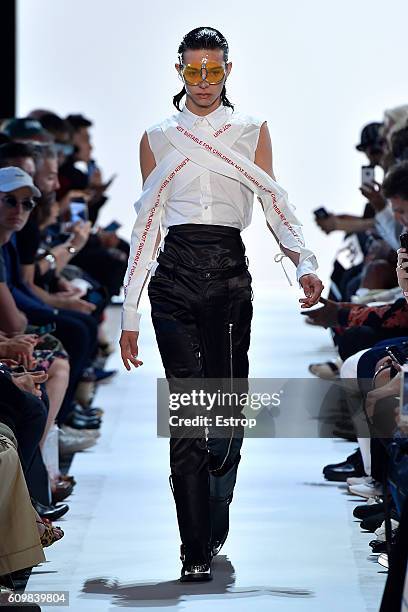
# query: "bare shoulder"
[[147, 160], [145, 144], [264, 135], [263, 153]]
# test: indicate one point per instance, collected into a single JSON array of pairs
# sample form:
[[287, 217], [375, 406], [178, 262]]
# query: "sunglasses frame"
[[22, 202], [203, 67]]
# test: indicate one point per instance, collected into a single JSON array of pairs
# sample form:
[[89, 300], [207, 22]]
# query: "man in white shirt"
[[212, 160]]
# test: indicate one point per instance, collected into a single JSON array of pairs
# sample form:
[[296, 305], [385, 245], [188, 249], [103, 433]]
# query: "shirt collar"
[[216, 118]]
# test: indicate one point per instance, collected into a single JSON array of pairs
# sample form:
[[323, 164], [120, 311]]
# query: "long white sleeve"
[[290, 236], [142, 246]]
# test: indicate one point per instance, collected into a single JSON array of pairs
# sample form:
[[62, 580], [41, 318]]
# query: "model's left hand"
[[313, 287]]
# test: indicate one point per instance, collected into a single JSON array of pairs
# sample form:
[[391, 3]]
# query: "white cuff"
[[308, 266], [130, 320]]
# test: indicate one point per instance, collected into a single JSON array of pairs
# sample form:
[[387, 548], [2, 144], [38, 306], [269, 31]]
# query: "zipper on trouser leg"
[[230, 347], [230, 325]]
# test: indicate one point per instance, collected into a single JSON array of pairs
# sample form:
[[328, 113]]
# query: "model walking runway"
[[201, 168]]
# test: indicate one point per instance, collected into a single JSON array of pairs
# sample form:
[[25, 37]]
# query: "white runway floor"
[[294, 544]]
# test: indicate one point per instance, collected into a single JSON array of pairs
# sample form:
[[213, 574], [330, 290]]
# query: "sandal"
[[50, 534]]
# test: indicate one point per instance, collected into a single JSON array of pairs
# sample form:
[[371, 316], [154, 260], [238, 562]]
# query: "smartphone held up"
[[78, 211]]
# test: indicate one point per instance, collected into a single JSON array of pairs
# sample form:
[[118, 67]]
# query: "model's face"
[[204, 95], [400, 209]]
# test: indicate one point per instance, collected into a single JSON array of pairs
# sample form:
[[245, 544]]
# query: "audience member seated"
[[52, 344], [370, 331]]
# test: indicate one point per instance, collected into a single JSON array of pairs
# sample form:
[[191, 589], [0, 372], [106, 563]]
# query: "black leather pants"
[[201, 306]]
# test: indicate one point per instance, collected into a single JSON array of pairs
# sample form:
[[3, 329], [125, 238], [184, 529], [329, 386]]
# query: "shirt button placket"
[[205, 181], [206, 196]]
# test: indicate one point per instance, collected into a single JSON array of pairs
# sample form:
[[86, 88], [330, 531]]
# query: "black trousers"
[[201, 307]]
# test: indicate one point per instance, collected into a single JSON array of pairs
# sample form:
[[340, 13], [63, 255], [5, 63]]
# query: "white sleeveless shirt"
[[211, 198]]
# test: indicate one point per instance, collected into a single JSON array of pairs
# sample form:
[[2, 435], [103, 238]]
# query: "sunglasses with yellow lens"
[[196, 72]]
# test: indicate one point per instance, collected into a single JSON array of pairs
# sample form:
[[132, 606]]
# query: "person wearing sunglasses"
[[16, 203], [16, 198], [16, 193], [200, 169]]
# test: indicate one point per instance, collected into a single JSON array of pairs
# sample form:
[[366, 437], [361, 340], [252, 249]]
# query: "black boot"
[[191, 495], [193, 572], [221, 492]]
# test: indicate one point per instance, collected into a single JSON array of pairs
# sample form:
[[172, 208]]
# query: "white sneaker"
[[380, 532], [383, 560], [367, 489], [72, 443], [356, 480], [373, 500]]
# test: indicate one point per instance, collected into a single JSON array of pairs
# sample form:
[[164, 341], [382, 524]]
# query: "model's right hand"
[[129, 349]]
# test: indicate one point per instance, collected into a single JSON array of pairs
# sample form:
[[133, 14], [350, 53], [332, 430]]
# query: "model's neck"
[[202, 110]]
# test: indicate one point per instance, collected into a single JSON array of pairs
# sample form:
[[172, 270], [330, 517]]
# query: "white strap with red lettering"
[[215, 155], [193, 154], [158, 187]]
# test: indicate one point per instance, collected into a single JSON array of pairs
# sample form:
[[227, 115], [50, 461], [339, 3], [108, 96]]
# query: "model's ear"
[[228, 68], [178, 68]]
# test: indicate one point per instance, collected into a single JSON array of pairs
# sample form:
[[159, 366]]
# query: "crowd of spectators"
[[366, 313], [58, 272]]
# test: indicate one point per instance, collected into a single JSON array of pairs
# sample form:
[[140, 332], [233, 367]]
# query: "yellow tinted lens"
[[215, 72], [192, 74]]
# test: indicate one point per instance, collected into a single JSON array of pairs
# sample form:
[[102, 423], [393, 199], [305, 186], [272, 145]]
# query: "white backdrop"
[[316, 70]]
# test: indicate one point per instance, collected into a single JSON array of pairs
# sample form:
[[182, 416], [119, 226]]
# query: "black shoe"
[[196, 572], [16, 581], [366, 510], [351, 467], [53, 513], [87, 411], [7, 582], [82, 422], [343, 471], [354, 458], [371, 523], [378, 546]]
